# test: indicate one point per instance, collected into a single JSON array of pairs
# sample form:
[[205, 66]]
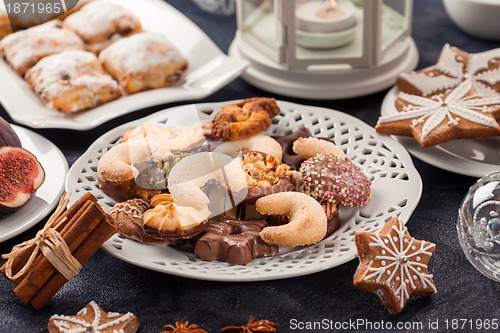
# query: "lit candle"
[[331, 11], [325, 16]]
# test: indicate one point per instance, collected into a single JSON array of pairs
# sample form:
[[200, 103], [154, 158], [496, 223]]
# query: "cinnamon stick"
[[74, 236], [84, 252], [22, 258]]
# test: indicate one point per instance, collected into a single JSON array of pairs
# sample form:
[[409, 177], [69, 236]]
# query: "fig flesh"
[[21, 174]]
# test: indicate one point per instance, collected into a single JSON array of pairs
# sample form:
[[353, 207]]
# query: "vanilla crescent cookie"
[[144, 61], [117, 163], [307, 219], [177, 140]]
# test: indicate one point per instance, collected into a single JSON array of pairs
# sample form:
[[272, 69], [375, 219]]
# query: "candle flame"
[[333, 3]]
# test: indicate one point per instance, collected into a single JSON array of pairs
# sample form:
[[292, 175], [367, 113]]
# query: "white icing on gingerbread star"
[[432, 111], [93, 319], [456, 70]]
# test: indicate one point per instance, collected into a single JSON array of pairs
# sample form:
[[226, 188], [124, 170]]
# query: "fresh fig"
[[7, 135], [20, 176]]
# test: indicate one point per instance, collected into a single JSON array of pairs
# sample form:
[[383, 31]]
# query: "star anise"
[[183, 327], [262, 326]]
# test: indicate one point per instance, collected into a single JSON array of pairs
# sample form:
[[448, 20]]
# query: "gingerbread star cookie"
[[393, 265], [452, 68], [93, 319], [461, 112]]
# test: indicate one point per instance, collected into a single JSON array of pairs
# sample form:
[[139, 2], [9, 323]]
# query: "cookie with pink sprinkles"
[[335, 179]]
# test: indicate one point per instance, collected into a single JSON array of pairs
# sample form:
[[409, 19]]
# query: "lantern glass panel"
[[329, 30], [395, 21], [260, 24]]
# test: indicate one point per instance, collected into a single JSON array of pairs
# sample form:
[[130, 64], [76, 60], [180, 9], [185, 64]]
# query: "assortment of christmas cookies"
[[457, 98], [92, 55], [227, 192], [177, 186]]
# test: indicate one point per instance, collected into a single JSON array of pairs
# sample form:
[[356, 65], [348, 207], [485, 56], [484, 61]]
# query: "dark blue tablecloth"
[[158, 299]]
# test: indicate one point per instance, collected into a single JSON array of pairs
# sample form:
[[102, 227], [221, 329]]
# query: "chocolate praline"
[[234, 241]]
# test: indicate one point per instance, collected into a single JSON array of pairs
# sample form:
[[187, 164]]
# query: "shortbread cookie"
[[93, 319], [25, 48], [453, 67], [459, 113], [393, 265], [100, 23], [72, 81], [144, 61]]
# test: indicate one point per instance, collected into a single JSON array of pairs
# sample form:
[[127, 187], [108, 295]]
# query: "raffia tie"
[[52, 246]]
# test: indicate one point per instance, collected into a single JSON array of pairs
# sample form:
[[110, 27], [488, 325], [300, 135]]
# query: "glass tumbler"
[[478, 225]]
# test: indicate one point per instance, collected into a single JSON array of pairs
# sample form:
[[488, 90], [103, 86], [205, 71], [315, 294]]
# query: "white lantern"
[[324, 49]]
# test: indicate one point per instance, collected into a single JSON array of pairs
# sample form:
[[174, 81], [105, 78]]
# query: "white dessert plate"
[[469, 157], [47, 196], [396, 188], [209, 70]]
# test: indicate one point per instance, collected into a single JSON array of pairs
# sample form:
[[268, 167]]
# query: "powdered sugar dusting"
[[99, 19], [24, 48], [55, 75], [141, 52]]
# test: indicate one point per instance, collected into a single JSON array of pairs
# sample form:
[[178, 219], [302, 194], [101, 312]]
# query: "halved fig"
[[20, 176]]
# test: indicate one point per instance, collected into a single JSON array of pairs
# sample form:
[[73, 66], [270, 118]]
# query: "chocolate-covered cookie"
[[331, 178], [234, 241]]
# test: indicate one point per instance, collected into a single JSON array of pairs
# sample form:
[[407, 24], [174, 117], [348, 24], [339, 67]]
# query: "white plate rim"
[[209, 71], [112, 135], [50, 191], [436, 155]]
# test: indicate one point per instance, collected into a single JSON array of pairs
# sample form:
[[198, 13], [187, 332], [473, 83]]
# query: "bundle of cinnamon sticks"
[[84, 227]]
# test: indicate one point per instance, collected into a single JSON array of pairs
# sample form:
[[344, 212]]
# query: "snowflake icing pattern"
[[394, 265], [96, 324], [432, 111], [400, 261], [476, 71]]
